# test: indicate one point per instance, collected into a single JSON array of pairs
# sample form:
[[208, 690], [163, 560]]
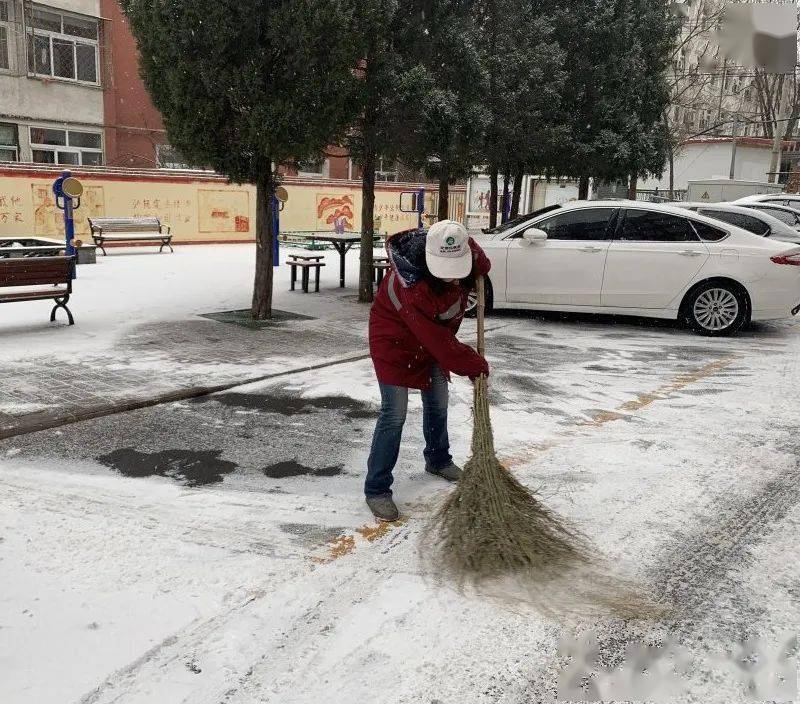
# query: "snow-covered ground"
[[248, 569], [135, 286]]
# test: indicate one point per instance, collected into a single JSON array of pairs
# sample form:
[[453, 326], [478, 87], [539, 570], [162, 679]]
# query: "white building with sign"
[[710, 157]]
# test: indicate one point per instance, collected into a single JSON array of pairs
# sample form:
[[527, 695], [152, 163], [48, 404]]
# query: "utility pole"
[[722, 89], [734, 132], [780, 124]]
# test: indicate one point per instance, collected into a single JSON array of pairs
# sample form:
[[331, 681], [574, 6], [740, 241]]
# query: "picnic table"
[[342, 242]]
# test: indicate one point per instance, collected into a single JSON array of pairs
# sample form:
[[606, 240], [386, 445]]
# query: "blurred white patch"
[[660, 673], [760, 35]]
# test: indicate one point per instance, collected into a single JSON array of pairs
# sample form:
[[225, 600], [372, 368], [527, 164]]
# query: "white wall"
[[703, 161], [32, 99], [83, 7]]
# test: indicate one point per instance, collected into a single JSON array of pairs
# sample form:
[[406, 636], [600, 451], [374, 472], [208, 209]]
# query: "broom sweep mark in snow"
[[346, 544], [192, 467], [643, 400]]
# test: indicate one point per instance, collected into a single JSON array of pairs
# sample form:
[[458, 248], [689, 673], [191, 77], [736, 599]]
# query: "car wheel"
[[472, 300], [716, 309]]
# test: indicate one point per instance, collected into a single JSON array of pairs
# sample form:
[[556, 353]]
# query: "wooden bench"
[[40, 278], [305, 262], [130, 230], [380, 265]]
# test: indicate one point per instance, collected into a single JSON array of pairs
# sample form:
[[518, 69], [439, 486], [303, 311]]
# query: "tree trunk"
[[519, 174], [780, 124], [632, 182], [369, 157], [583, 188], [368, 160], [506, 194], [444, 193], [671, 171], [265, 242], [492, 195]]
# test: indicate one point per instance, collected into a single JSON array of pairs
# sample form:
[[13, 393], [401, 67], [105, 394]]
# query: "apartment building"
[[51, 92], [709, 93], [71, 93]]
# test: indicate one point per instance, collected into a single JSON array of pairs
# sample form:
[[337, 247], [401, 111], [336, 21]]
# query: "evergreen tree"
[[246, 86], [449, 97], [524, 80], [413, 103], [617, 89], [379, 27]]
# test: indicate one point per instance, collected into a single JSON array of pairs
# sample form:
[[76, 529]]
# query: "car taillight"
[[791, 259]]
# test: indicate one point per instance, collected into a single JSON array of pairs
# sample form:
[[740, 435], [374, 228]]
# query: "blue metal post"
[[276, 229], [64, 202], [420, 207]]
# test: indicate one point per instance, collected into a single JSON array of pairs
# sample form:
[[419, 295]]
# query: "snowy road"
[[218, 550]]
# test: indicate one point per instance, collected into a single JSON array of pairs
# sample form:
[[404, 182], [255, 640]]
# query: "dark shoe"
[[383, 507], [452, 472]]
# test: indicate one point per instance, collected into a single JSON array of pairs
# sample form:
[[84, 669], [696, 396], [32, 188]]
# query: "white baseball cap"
[[447, 251]]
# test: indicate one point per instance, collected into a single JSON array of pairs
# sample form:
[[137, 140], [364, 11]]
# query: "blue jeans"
[[389, 430]]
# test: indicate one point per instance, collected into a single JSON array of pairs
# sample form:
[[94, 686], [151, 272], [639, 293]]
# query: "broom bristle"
[[491, 526], [494, 535]]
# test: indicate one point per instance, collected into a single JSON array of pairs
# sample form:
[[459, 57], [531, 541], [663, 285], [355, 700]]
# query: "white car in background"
[[750, 219], [785, 214], [644, 259], [790, 200]]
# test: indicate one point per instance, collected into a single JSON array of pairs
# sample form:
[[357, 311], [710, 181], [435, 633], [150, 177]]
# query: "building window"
[[49, 146], [63, 46], [313, 167], [3, 47], [167, 157], [5, 33], [387, 170], [9, 143]]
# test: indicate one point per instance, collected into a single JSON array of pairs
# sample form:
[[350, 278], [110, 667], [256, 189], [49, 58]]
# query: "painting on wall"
[[49, 220], [170, 211], [223, 211], [335, 212]]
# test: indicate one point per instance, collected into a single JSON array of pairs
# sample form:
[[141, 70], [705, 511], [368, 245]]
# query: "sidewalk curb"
[[56, 421]]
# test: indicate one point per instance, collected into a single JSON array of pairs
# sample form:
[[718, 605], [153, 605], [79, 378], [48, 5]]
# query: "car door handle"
[[591, 249], [690, 253]]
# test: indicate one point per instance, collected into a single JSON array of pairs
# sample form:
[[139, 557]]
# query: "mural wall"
[[197, 208]]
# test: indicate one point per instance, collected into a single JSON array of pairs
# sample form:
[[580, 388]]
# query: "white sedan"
[[756, 221], [790, 200], [645, 259]]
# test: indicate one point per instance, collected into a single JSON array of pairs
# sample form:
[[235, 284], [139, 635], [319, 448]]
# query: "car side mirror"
[[533, 235]]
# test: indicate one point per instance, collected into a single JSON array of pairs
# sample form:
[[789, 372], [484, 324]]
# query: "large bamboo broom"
[[494, 534], [492, 527]]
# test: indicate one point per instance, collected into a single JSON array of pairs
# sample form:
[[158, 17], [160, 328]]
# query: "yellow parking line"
[[624, 410]]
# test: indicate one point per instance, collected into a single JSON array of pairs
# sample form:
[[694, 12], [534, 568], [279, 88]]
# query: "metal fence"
[[658, 196]]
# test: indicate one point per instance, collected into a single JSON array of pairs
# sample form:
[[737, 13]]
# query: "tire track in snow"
[[280, 629], [696, 572], [707, 560]]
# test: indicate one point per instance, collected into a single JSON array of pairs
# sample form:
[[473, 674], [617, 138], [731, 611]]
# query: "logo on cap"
[[450, 240]]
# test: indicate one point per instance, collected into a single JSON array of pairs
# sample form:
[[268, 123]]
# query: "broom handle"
[[479, 287]]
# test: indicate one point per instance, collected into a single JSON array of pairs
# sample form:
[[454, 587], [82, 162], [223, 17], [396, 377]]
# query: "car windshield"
[[504, 227]]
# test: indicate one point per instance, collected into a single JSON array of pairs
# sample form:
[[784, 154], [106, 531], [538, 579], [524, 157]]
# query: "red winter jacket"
[[411, 328]]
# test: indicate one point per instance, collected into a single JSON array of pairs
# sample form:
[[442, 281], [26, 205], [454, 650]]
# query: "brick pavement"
[[162, 359]]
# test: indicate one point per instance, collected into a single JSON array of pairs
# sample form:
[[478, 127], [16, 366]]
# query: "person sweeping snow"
[[412, 339]]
